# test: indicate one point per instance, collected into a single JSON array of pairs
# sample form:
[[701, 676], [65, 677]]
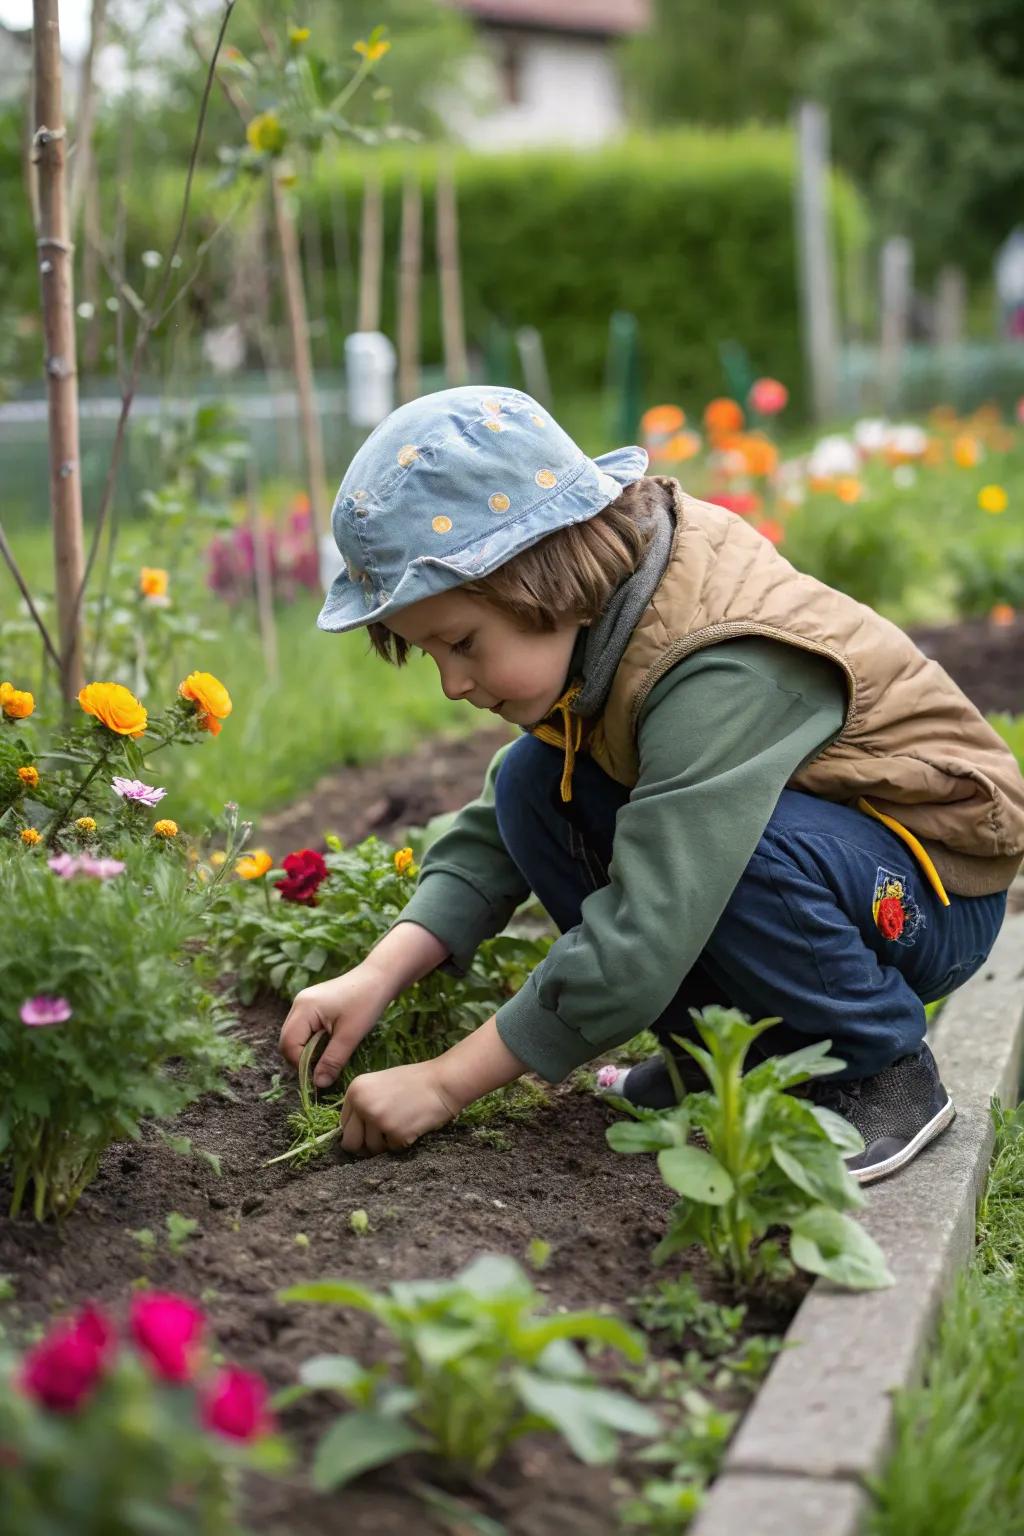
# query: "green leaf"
[[339, 1292], [695, 1174], [643, 1135], [839, 1131], [588, 1416], [357, 1442], [335, 1373], [827, 1243], [818, 1169]]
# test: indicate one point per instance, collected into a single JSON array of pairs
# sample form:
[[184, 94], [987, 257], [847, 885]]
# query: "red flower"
[[306, 872], [773, 531], [742, 502], [235, 1404], [768, 397], [891, 917], [62, 1370], [167, 1330]]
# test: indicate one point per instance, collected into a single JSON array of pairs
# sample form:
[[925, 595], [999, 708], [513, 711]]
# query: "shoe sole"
[[936, 1125]]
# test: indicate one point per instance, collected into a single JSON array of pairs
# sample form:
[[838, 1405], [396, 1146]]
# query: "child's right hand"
[[346, 1008]]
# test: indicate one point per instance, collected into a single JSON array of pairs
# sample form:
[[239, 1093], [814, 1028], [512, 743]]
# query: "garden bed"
[[430, 1211]]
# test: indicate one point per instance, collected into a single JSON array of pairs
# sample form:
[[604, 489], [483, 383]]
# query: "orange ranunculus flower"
[[15, 703], [1002, 615], [966, 451], [209, 696], [209, 723], [114, 706], [723, 415], [254, 865], [165, 828], [680, 447], [153, 581], [30, 837], [760, 457], [29, 776], [848, 488], [662, 421]]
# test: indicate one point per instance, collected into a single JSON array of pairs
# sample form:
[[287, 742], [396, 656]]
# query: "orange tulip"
[[723, 415], [662, 421]]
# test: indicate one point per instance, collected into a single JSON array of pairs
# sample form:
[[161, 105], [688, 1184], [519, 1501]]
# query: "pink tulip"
[[235, 1404], [41, 1010], [768, 397], [167, 1330]]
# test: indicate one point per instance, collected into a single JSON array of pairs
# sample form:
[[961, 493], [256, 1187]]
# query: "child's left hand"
[[386, 1111]]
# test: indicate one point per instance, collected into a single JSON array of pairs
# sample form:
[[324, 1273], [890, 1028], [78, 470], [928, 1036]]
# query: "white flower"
[[871, 434], [831, 457], [113, 305], [85, 310], [152, 259], [908, 440]]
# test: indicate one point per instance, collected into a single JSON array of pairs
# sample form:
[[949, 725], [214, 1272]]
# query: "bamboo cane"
[[302, 362], [371, 256], [456, 364], [409, 264], [55, 270]]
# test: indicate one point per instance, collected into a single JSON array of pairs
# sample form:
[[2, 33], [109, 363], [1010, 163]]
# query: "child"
[[734, 784]]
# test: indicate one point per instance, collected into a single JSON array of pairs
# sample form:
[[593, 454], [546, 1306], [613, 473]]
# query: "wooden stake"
[[816, 263], [456, 364], [371, 255], [55, 270], [409, 264], [302, 362]]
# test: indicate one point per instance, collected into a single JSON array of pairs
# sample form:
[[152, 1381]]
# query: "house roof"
[[601, 16]]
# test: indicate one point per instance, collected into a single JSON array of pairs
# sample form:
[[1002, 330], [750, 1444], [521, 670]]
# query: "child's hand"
[[346, 1008], [385, 1111]]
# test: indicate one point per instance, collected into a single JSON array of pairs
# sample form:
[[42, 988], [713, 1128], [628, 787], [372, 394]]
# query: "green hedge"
[[694, 232]]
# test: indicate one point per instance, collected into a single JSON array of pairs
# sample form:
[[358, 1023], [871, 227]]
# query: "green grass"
[[957, 1468]]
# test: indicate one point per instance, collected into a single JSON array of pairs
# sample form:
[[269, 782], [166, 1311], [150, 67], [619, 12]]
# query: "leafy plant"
[[106, 1434], [479, 1367], [677, 1307], [772, 1160], [105, 1016]]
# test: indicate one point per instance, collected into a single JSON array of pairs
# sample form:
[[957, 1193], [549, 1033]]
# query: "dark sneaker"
[[897, 1112]]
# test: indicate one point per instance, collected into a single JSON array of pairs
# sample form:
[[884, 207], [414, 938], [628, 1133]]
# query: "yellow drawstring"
[[914, 846], [568, 737]]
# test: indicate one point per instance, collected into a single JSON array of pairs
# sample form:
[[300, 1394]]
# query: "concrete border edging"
[[821, 1423]]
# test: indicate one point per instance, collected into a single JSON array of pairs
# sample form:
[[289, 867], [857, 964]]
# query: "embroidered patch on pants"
[[897, 915]]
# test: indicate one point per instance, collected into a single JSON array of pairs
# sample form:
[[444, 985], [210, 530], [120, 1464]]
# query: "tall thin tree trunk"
[[55, 269], [302, 362], [456, 366]]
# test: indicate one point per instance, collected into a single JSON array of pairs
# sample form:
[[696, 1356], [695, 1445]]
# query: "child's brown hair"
[[573, 570]]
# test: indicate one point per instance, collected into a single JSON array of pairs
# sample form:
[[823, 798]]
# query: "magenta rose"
[[235, 1404], [168, 1330], [63, 1369], [306, 871]]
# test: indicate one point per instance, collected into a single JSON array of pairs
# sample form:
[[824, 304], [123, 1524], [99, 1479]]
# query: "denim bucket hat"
[[448, 488]]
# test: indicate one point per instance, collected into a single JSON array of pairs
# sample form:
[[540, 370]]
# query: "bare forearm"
[[477, 1065], [404, 955]]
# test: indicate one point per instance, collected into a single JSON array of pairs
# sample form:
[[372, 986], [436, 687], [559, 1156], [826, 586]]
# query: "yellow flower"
[[114, 706], [85, 824], [371, 52], [404, 861], [153, 581], [848, 488], [210, 697], [298, 35], [992, 498], [166, 828], [265, 133], [15, 704], [254, 865], [217, 858], [30, 836], [29, 776]]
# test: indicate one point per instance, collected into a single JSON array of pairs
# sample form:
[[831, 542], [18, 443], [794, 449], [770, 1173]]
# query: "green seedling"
[[772, 1160], [179, 1230], [276, 1090], [516, 1104], [300, 1240], [146, 1239], [314, 1125], [677, 1307], [6, 1288], [359, 1223], [479, 1368], [538, 1252], [492, 1136]]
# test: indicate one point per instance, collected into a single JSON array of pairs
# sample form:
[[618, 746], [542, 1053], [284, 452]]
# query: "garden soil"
[[430, 1209]]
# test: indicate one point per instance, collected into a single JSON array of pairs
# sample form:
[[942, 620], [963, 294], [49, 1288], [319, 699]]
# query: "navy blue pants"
[[798, 938]]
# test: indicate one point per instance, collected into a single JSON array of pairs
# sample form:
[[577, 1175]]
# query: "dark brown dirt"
[[431, 1210], [986, 660]]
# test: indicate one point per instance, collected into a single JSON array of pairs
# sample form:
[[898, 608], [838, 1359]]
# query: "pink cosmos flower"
[[134, 789], [606, 1076], [167, 1330], [67, 865], [63, 1368], [768, 397], [235, 1404], [45, 1010]]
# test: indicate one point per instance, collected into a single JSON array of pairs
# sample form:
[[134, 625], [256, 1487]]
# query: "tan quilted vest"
[[913, 745]]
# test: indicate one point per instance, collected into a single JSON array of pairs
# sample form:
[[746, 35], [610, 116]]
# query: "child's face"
[[484, 658]]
